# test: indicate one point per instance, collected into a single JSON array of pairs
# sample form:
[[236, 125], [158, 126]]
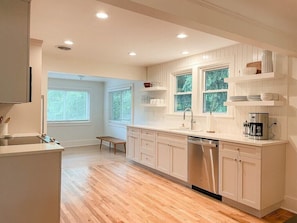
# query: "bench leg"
[[100, 144], [124, 147]]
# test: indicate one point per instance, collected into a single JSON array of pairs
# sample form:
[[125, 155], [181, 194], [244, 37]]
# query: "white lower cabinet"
[[171, 154], [252, 176], [133, 143], [161, 151]]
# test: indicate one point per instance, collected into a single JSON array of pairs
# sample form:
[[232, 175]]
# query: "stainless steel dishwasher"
[[203, 162]]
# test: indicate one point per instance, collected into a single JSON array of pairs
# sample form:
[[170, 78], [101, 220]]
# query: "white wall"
[[238, 56], [26, 117], [291, 156], [62, 64], [82, 133]]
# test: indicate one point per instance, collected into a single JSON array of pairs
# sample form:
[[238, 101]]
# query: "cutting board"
[[256, 64]]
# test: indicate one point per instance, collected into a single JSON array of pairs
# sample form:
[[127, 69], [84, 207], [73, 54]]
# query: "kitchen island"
[[30, 183]]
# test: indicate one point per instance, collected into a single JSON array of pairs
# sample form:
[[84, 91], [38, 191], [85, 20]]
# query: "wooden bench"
[[113, 140]]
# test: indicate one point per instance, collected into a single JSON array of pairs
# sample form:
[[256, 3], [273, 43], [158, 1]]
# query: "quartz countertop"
[[215, 136], [14, 150]]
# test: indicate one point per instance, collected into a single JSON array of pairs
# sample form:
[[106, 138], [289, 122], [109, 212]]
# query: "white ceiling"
[[109, 41]]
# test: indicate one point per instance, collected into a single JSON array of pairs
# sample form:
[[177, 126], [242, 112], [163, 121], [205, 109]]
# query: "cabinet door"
[[179, 168], [133, 142], [249, 181], [228, 174], [14, 45], [163, 157], [130, 147]]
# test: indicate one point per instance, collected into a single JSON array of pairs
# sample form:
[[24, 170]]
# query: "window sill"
[[74, 123], [200, 115], [118, 123]]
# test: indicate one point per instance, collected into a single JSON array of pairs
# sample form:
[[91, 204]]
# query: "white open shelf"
[[154, 106], [254, 103], [154, 89], [253, 77]]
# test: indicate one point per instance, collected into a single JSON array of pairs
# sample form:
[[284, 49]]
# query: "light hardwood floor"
[[99, 186]]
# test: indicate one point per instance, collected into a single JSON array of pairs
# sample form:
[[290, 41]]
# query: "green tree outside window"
[[120, 105], [68, 105], [183, 94], [215, 93]]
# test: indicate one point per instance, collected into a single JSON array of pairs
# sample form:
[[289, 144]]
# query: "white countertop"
[[215, 136], [13, 150]]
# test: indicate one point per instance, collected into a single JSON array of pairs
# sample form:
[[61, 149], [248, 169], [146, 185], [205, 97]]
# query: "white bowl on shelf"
[[269, 97]]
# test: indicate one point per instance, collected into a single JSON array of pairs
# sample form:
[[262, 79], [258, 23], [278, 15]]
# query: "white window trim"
[[173, 91], [198, 85], [121, 88], [201, 71]]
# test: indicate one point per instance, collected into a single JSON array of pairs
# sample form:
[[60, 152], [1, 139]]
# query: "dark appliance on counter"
[[258, 126], [203, 165], [22, 140]]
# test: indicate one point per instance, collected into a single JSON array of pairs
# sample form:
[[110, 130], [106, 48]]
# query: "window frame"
[[109, 96], [74, 122], [174, 89], [203, 90]]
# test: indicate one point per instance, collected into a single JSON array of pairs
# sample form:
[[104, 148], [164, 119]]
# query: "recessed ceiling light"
[[185, 52], [68, 42], [182, 36], [102, 15], [132, 53]]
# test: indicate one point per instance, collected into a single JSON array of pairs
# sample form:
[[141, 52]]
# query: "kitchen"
[[284, 114]]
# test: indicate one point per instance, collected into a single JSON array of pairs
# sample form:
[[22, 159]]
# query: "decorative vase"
[[267, 65]]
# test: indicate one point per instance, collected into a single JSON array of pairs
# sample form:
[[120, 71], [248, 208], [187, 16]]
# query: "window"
[[183, 92], [68, 105], [120, 105], [215, 90]]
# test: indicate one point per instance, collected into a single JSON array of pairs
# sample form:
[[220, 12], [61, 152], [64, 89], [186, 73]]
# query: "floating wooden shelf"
[[154, 89]]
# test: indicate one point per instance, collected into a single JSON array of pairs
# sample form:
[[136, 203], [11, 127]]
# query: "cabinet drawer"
[[244, 150], [133, 132], [147, 159], [148, 134], [172, 139], [147, 146]]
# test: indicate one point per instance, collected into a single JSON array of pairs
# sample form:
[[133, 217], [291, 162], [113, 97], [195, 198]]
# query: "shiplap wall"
[[238, 55]]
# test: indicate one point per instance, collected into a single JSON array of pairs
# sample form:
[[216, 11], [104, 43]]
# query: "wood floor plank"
[[101, 187]]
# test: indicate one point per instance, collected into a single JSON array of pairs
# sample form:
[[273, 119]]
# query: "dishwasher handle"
[[200, 142]]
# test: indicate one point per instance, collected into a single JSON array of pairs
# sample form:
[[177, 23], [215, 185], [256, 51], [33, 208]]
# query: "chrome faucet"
[[192, 120]]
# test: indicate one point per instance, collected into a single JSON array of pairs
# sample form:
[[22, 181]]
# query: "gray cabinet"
[[14, 45]]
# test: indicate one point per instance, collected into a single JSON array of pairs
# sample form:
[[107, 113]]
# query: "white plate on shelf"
[[238, 98], [254, 97]]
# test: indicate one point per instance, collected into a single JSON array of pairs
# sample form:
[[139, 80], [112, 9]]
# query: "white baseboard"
[[76, 143], [90, 142], [290, 204]]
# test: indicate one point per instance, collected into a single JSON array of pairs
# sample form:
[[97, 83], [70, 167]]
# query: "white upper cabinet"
[[14, 45]]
